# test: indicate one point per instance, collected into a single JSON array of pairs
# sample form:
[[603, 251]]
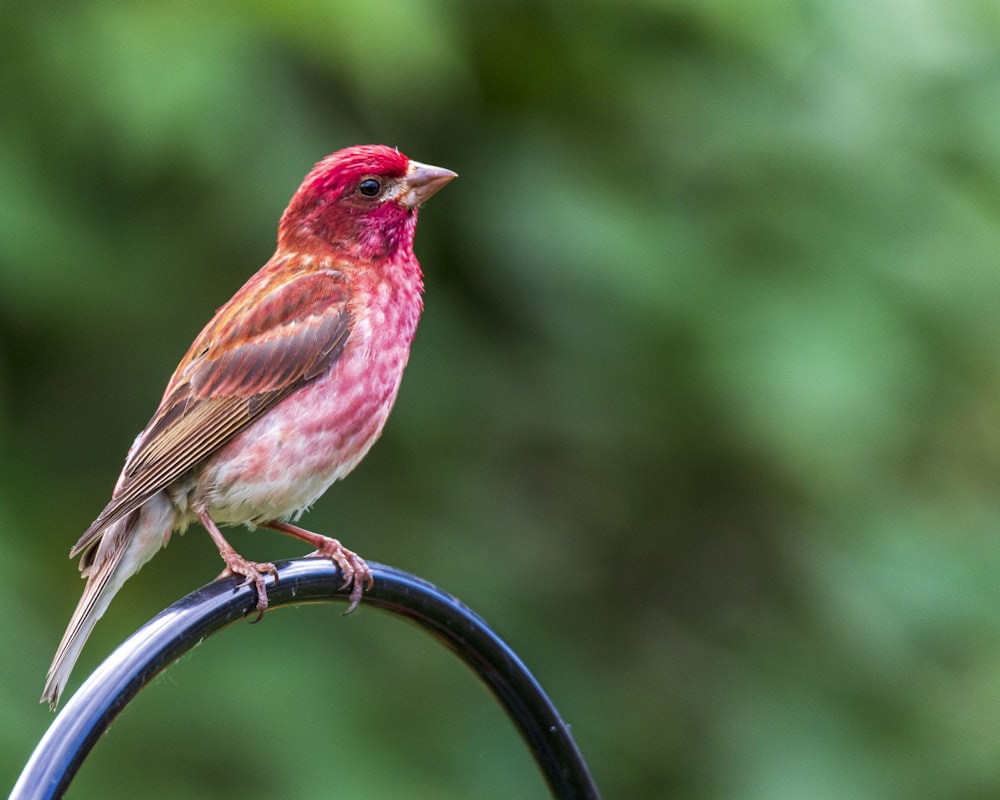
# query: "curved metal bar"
[[208, 610]]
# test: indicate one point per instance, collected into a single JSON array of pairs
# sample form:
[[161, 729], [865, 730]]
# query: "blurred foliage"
[[702, 413]]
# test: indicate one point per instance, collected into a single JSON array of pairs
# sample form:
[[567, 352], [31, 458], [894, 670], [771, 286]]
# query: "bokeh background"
[[702, 413]]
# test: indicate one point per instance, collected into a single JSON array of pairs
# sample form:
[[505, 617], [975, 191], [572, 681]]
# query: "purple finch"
[[281, 394]]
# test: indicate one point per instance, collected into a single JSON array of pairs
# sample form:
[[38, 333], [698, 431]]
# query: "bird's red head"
[[361, 201]]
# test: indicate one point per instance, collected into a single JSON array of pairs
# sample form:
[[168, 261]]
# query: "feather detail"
[[126, 545], [233, 373]]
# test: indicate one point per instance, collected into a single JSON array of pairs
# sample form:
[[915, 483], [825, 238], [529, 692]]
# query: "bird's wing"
[[269, 340]]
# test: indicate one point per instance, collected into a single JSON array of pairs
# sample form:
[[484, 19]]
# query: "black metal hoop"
[[208, 610]]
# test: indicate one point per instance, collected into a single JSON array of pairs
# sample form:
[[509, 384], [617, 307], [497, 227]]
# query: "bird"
[[281, 394]]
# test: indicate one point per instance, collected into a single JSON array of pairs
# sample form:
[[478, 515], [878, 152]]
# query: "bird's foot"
[[356, 572], [253, 572]]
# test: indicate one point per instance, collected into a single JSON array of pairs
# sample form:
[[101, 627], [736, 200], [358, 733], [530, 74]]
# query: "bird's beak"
[[422, 181]]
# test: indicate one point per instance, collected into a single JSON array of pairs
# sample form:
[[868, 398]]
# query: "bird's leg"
[[253, 571], [353, 566]]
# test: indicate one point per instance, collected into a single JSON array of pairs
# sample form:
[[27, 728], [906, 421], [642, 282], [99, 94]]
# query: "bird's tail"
[[121, 551]]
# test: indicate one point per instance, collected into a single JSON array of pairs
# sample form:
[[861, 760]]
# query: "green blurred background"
[[702, 413]]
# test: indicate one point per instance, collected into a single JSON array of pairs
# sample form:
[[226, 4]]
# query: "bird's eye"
[[369, 187]]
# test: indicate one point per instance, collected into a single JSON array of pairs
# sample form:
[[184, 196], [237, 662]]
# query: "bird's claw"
[[253, 572], [355, 570]]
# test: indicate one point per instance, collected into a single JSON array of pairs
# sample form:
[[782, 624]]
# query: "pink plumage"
[[282, 393]]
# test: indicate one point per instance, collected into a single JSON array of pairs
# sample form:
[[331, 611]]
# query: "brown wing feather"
[[260, 347]]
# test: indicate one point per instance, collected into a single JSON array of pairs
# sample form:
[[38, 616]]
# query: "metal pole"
[[187, 622]]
